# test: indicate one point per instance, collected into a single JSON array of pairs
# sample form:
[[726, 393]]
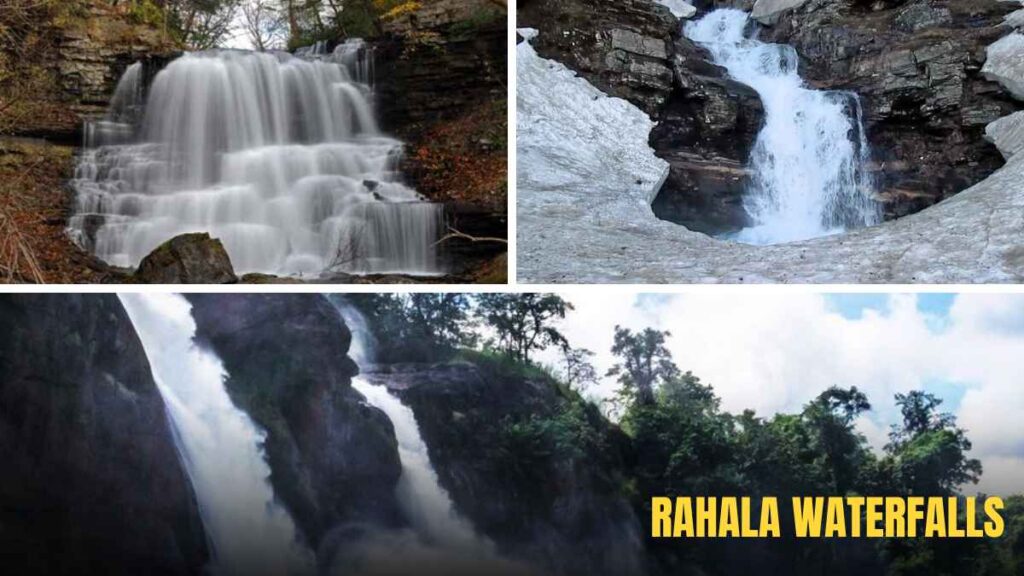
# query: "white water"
[[809, 159], [280, 157], [221, 447], [424, 501]]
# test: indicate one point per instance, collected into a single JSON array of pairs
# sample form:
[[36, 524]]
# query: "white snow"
[[1005, 64], [1007, 134], [679, 8]]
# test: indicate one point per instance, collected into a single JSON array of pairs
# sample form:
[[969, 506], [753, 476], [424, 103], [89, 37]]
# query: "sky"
[[775, 352]]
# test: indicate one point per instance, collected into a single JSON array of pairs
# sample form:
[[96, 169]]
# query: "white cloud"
[[775, 352]]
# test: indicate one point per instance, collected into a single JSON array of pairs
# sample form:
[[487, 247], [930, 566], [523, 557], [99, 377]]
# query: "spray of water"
[[424, 501], [250, 533], [809, 159], [280, 157]]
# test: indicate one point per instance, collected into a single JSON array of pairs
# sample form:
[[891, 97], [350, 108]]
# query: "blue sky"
[[775, 352]]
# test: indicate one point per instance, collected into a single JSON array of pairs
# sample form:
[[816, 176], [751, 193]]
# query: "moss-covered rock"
[[187, 259]]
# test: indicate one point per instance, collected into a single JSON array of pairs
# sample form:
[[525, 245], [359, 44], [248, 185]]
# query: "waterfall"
[[808, 163], [220, 446], [424, 501], [278, 156]]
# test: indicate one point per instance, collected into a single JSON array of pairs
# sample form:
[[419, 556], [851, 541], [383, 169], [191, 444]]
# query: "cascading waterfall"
[[250, 533], [278, 156], [808, 164], [425, 502]]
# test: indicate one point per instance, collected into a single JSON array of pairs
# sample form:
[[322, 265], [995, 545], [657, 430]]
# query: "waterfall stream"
[[424, 501], [278, 156], [250, 533], [808, 163]]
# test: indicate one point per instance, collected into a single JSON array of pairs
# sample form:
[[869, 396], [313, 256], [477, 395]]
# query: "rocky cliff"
[[92, 482], [916, 64], [334, 460], [60, 63], [530, 465]]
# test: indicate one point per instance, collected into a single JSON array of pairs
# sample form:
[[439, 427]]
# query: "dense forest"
[[678, 441]]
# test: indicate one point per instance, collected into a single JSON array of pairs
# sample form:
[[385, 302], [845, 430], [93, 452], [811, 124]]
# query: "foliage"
[[523, 322], [644, 363], [417, 327], [465, 159]]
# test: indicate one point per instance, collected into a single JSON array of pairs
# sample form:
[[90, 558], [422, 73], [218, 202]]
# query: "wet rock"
[[705, 132], [92, 482], [287, 365], [187, 259], [621, 46]]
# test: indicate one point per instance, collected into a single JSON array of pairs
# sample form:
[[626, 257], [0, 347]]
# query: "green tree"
[[579, 369], [523, 322], [644, 362], [927, 452]]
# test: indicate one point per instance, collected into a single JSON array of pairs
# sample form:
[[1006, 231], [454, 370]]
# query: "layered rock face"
[[561, 513], [705, 132], [333, 459], [69, 64], [917, 65], [707, 123], [623, 47], [92, 482]]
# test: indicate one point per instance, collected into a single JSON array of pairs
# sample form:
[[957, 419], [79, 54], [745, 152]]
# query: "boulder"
[[187, 259], [286, 360], [92, 482], [768, 12], [1005, 64]]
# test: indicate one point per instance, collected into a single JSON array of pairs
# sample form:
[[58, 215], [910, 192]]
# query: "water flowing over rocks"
[[917, 66], [580, 221], [92, 482], [286, 357], [926, 105], [562, 516]]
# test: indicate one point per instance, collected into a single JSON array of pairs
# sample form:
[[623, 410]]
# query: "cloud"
[[775, 352]]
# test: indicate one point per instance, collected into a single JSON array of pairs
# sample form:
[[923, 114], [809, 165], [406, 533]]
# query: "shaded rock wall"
[[333, 459], [92, 482], [565, 515]]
